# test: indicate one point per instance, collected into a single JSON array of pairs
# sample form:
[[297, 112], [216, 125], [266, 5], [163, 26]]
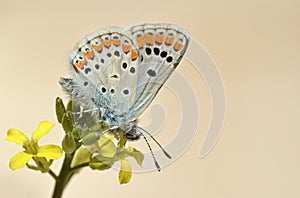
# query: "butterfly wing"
[[104, 65], [121, 71], [162, 47]]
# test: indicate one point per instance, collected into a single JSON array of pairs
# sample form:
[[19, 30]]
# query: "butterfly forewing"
[[104, 65]]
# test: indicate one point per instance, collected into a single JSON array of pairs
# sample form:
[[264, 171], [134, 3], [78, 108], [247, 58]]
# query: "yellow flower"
[[32, 149]]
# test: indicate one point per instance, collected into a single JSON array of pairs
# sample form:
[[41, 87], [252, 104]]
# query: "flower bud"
[[68, 143], [60, 109]]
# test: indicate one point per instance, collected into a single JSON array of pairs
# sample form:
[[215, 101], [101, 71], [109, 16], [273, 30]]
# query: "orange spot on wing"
[[80, 64], [169, 40], [106, 43], [89, 54], [134, 55], [126, 48], [178, 46], [98, 48], [140, 41], [116, 42], [159, 38], [149, 38]]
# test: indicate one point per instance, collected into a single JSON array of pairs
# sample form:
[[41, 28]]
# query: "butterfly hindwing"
[[161, 46]]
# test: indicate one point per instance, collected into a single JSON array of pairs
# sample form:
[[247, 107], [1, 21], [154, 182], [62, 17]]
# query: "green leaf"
[[95, 164], [136, 154], [67, 123], [68, 143], [82, 155], [60, 109], [125, 172]]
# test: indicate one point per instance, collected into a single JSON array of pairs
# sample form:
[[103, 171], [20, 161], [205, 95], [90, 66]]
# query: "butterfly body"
[[120, 71]]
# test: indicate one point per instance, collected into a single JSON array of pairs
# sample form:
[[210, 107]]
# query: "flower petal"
[[19, 160], [50, 151], [16, 136], [42, 130], [136, 154], [125, 172]]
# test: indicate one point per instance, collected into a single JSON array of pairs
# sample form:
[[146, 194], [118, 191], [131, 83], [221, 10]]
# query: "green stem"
[[63, 177], [52, 174], [75, 168]]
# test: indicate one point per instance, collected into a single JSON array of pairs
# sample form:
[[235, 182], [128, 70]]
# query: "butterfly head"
[[131, 131]]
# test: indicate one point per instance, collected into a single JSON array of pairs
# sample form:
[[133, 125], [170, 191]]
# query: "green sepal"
[[81, 156], [125, 172], [68, 143], [60, 109], [42, 164], [75, 133], [103, 164], [67, 122]]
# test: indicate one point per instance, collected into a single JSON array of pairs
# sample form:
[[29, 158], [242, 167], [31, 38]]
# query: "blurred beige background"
[[256, 46]]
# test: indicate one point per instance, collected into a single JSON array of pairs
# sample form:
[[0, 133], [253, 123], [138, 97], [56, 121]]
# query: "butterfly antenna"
[[154, 159], [165, 152]]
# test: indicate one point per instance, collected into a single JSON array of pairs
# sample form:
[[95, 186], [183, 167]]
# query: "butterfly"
[[120, 71]]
